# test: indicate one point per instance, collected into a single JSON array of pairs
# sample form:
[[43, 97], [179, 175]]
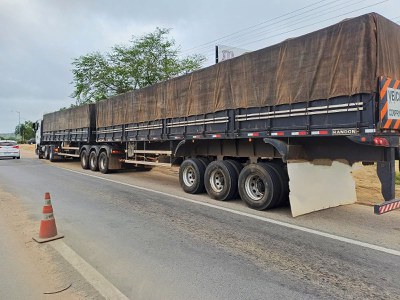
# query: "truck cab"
[[39, 148]]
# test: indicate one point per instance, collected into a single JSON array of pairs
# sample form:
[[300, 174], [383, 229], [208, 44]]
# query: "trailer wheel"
[[259, 186], [283, 180], [84, 160], [221, 180], [191, 176], [236, 165], [238, 168], [40, 154], [52, 154], [103, 162], [93, 165], [47, 152], [204, 160]]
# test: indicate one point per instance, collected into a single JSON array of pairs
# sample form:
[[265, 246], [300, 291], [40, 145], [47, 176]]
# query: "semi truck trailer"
[[284, 123]]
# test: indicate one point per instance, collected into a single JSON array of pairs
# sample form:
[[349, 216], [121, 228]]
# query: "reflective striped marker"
[[279, 133], [299, 133], [253, 134], [387, 206], [319, 132]]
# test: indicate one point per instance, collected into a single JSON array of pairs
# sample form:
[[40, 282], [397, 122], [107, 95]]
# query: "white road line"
[[98, 281], [280, 223]]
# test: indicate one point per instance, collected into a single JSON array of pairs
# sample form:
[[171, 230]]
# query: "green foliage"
[[7, 136], [25, 131], [397, 178], [144, 61]]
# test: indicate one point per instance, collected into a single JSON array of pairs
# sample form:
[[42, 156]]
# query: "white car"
[[9, 148]]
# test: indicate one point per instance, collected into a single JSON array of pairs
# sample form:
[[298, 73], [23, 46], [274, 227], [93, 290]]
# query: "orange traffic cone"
[[48, 228]]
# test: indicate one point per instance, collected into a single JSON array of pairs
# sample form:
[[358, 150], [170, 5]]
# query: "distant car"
[[31, 141], [9, 148]]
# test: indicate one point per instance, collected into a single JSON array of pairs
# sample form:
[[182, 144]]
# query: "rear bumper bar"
[[387, 206]]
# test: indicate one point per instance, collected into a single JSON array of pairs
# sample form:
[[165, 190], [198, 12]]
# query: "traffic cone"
[[48, 228]]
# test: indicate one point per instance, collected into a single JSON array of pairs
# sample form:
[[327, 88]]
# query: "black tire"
[[284, 181], [278, 183], [52, 155], [259, 186], [191, 176], [84, 160], [103, 162], [93, 165], [220, 180], [19, 157], [236, 165], [39, 153], [47, 152], [204, 160], [238, 168]]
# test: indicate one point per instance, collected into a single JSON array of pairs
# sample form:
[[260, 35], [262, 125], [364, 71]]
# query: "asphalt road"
[[154, 246]]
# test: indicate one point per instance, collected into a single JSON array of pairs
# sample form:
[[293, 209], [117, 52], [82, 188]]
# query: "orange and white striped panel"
[[389, 103], [387, 206]]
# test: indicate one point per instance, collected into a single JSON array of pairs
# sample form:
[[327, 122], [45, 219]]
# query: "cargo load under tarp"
[[341, 60], [73, 118]]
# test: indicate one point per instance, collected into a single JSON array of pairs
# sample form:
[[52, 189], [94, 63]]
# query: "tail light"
[[115, 151], [380, 141], [16, 147]]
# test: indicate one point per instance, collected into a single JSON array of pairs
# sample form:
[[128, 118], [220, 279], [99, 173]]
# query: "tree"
[[144, 61], [25, 130]]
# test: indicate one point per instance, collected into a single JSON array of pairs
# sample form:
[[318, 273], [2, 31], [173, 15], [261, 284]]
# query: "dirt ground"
[[368, 186], [45, 274], [27, 151]]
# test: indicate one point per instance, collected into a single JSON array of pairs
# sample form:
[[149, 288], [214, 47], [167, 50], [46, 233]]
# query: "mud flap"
[[387, 175], [319, 186]]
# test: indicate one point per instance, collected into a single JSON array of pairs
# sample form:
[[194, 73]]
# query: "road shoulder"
[[34, 271]]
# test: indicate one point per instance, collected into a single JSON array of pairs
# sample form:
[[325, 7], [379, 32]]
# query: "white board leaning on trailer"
[[317, 186]]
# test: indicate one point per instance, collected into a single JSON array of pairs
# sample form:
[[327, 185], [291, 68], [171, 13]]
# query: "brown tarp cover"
[[73, 118], [343, 59]]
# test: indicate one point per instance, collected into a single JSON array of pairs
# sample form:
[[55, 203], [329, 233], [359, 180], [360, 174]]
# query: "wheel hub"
[[255, 187], [217, 180], [189, 176]]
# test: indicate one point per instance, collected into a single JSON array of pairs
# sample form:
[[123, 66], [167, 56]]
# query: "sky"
[[40, 38]]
